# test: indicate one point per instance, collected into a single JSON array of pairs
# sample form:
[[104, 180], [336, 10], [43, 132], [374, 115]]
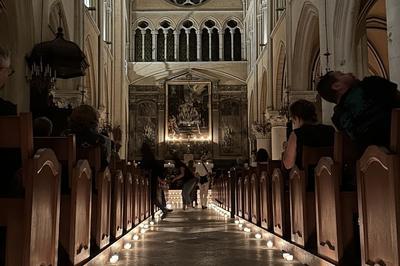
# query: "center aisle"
[[199, 237]]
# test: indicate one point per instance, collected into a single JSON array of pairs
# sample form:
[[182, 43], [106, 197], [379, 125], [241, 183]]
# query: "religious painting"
[[146, 125], [230, 131], [188, 111]]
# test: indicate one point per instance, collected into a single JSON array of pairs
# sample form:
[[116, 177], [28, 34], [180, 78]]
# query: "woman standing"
[[189, 181]]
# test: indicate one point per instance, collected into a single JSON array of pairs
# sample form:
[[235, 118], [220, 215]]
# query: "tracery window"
[[232, 42], [187, 2], [187, 42], [165, 42], [143, 43], [210, 42]]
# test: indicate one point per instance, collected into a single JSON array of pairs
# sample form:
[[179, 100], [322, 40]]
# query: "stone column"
[[154, 45], [221, 45], [232, 44], [198, 45], [187, 31], [209, 44], [165, 44], [143, 40], [176, 44], [393, 31]]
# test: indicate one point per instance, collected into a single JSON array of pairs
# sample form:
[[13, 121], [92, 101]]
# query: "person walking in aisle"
[[203, 170], [188, 178]]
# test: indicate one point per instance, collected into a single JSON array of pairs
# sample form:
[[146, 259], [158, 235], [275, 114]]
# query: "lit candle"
[[127, 246], [258, 235], [270, 244], [114, 258]]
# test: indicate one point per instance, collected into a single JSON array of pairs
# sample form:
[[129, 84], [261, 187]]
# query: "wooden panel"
[[329, 226], [137, 199], [103, 208], [246, 196], [117, 206], [80, 217], [265, 199], [378, 202], [299, 231], [142, 198], [278, 205], [42, 205], [239, 189], [128, 201], [255, 197]]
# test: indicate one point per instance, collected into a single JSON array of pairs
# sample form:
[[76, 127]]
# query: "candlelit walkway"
[[199, 237]]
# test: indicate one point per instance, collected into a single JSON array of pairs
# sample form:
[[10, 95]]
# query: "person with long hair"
[[188, 178]]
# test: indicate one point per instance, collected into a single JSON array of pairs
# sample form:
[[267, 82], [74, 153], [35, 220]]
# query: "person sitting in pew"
[[42, 127], [6, 71], [363, 107], [306, 132], [10, 159], [84, 123]]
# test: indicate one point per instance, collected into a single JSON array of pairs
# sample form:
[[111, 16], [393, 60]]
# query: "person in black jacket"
[[363, 107], [156, 171]]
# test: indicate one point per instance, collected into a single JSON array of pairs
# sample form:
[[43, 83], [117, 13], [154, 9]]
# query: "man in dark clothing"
[[156, 170], [363, 108]]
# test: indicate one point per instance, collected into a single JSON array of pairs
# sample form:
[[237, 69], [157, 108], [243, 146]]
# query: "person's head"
[[84, 117], [262, 155], [42, 127], [5, 66], [334, 84], [302, 112]]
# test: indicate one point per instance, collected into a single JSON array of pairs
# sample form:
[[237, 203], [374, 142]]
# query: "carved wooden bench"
[[31, 220], [302, 202], [101, 196], [76, 197]]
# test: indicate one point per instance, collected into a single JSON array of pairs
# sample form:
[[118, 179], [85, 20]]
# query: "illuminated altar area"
[[189, 113]]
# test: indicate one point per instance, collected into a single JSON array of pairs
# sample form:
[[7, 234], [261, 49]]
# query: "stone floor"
[[198, 237]]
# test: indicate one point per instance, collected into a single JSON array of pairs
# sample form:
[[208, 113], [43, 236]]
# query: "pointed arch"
[[217, 23], [147, 20], [305, 46], [280, 77], [57, 18]]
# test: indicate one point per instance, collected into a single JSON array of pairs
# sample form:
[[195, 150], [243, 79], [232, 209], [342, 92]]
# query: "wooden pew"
[[75, 209], [378, 204], [32, 219], [117, 203], [302, 202], [239, 189], [255, 195], [280, 205], [142, 194], [378, 192], [336, 208], [129, 197], [246, 195], [265, 198], [136, 193], [101, 196]]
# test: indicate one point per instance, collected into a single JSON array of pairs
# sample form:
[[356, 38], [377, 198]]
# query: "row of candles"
[[242, 225], [137, 234]]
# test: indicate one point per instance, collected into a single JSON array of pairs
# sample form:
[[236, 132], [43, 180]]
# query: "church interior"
[[203, 132]]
